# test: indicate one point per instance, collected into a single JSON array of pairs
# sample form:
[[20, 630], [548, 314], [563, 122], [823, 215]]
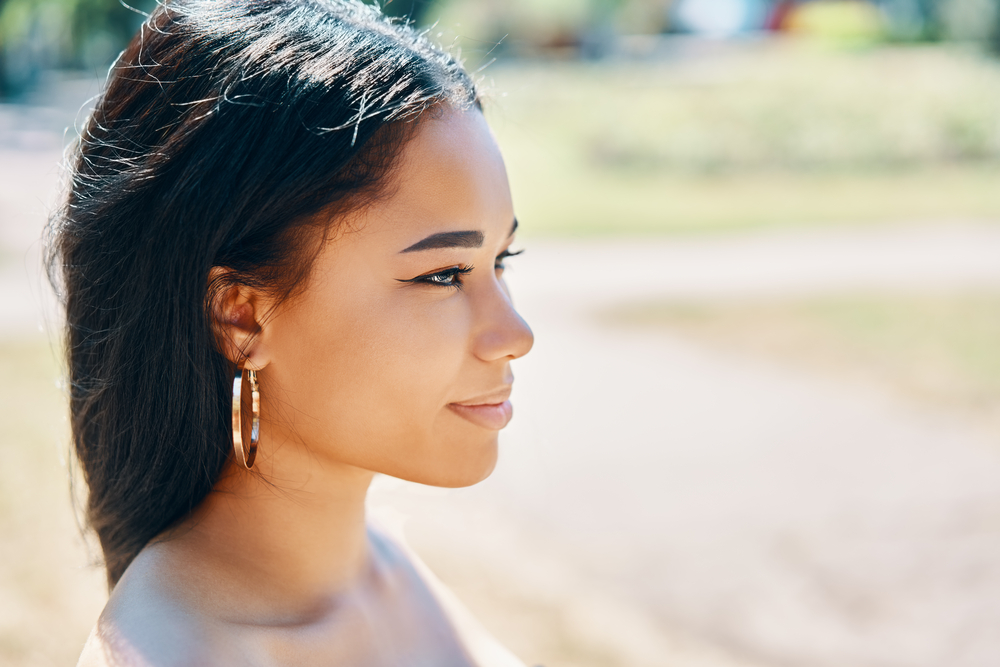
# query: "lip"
[[490, 411]]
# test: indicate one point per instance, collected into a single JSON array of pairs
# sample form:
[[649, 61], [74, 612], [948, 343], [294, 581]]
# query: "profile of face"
[[395, 356]]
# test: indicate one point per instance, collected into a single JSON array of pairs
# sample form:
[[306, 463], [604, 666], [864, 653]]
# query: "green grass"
[[777, 135], [944, 348]]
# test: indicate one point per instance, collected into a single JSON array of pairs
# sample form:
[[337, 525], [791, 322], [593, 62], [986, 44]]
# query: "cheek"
[[402, 361], [368, 379]]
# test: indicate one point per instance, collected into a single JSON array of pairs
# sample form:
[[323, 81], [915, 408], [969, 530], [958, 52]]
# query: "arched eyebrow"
[[448, 240], [466, 239]]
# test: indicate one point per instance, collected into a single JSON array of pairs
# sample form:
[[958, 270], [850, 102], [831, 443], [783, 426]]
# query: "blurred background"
[[761, 422]]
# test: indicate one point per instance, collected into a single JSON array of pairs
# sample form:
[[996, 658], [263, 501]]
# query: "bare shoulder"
[[145, 625]]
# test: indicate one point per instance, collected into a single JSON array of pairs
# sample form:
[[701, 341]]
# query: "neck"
[[286, 537]]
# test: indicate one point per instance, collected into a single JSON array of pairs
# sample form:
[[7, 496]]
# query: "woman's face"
[[396, 356]]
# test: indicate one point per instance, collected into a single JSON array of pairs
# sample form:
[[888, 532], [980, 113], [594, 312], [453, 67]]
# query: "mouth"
[[491, 411]]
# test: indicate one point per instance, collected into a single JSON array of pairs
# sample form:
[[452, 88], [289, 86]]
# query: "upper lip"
[[492, 398]]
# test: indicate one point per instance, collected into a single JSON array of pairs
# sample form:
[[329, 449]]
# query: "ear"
[[237, 314]]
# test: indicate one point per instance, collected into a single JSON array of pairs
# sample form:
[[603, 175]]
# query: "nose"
[[501, 333]]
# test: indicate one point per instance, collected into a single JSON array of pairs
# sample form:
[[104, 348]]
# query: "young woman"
[[281, 259]]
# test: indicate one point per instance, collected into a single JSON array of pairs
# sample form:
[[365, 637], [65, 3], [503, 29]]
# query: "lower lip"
[[490, 416]]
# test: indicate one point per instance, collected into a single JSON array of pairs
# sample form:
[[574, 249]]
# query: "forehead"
[[450, 177]]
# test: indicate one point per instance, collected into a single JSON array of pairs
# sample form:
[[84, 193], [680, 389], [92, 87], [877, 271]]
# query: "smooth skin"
[[395, 359]]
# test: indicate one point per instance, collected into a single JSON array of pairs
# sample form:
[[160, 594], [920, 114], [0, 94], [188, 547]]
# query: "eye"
[[498, 263], [447, 278], [450, 277]]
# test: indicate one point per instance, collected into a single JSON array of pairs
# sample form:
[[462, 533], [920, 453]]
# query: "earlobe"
[[236, 311]]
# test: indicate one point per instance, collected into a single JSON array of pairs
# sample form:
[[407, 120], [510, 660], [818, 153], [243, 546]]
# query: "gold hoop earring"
[[246, 457]]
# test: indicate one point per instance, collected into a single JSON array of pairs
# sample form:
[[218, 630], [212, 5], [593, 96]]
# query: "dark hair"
[[225, 130]]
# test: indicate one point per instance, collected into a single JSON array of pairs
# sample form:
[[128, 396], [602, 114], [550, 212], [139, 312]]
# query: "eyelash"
[[454, 274], [498, 262]]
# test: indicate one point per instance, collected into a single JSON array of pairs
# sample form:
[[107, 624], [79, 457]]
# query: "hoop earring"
[[246, 457]]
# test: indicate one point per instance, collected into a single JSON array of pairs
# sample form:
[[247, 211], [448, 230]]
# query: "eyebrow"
[[448, 240], [466, 239]]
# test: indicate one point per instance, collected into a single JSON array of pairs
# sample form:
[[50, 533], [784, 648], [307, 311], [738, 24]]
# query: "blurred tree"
[[913, 20], [36, 35], [597, 38], [995, 32], [100, 29], [3, 59], [413, 10]]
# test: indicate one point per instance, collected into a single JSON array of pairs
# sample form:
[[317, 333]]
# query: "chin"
[[472, 475], [463, 464]]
